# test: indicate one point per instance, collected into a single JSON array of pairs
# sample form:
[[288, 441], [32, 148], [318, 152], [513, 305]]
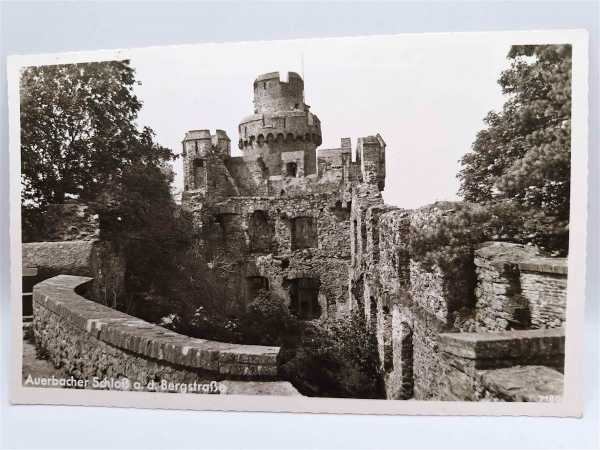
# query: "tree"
[[78, 130], [137, 213], [521, 160], [79, 139]]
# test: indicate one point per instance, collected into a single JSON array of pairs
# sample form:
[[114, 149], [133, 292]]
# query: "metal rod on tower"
[[303, 80]]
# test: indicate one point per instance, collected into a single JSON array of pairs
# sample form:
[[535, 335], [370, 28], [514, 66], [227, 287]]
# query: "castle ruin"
[[279, 215], [310, 226]]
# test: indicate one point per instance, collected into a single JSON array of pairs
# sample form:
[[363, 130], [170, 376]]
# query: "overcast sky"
[[425, 94]]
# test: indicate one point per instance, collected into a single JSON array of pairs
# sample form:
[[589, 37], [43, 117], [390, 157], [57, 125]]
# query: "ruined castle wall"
[[252, 178], [281, 271], [544, 287], [415, 302], [437, 293], [334, 165], [427, 366], [328, 213], [243, 176], [372, 160], [523, 365], [500, 305], [445, 286], [395, 326], [377, 310], [212, 179], [518, 289], [274, 155], [282, 239], [361, 280]]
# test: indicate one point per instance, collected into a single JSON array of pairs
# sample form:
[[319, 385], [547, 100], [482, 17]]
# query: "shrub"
[[267, 321], [337, 358], [446, 233]]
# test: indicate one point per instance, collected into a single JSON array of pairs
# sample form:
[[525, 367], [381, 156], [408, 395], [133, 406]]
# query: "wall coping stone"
[[508, 255], [135, 335], [558, 266], [506, 344], [61, 256], [524, 383]]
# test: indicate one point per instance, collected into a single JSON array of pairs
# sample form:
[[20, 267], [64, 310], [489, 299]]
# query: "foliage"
[[80, 140], [445, 233], [78, 130], [204, 323], [520, 163], [138, 214], [268, 321], [337, 358]]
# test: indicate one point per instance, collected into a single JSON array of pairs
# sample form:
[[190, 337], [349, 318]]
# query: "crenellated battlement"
[[286, 128], [279, 143], [272, 93], [205, 140], [370, 154], [203, 159]]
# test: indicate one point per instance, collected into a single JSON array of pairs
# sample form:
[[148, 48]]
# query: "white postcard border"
[[572, 401]]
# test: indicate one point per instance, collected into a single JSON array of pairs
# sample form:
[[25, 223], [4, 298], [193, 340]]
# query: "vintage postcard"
[[367, 225]]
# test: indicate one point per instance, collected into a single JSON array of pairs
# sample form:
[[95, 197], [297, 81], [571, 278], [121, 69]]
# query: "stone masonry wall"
[[281, 239], [500, 305], [544, 287], [88, 340], [418, 308], [518, 289], [92, 258], [524, 365]]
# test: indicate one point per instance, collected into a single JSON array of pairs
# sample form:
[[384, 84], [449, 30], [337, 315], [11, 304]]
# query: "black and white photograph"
[[385, 224]]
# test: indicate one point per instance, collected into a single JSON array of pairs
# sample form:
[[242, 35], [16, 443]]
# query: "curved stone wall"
[[88, 339]]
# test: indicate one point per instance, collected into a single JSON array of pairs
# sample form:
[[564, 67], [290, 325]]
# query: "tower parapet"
[[272, 94], [370, 154], [282, 133], [199, 148]]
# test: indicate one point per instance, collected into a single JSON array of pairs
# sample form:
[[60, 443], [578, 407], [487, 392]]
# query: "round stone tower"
[[282, 135]]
